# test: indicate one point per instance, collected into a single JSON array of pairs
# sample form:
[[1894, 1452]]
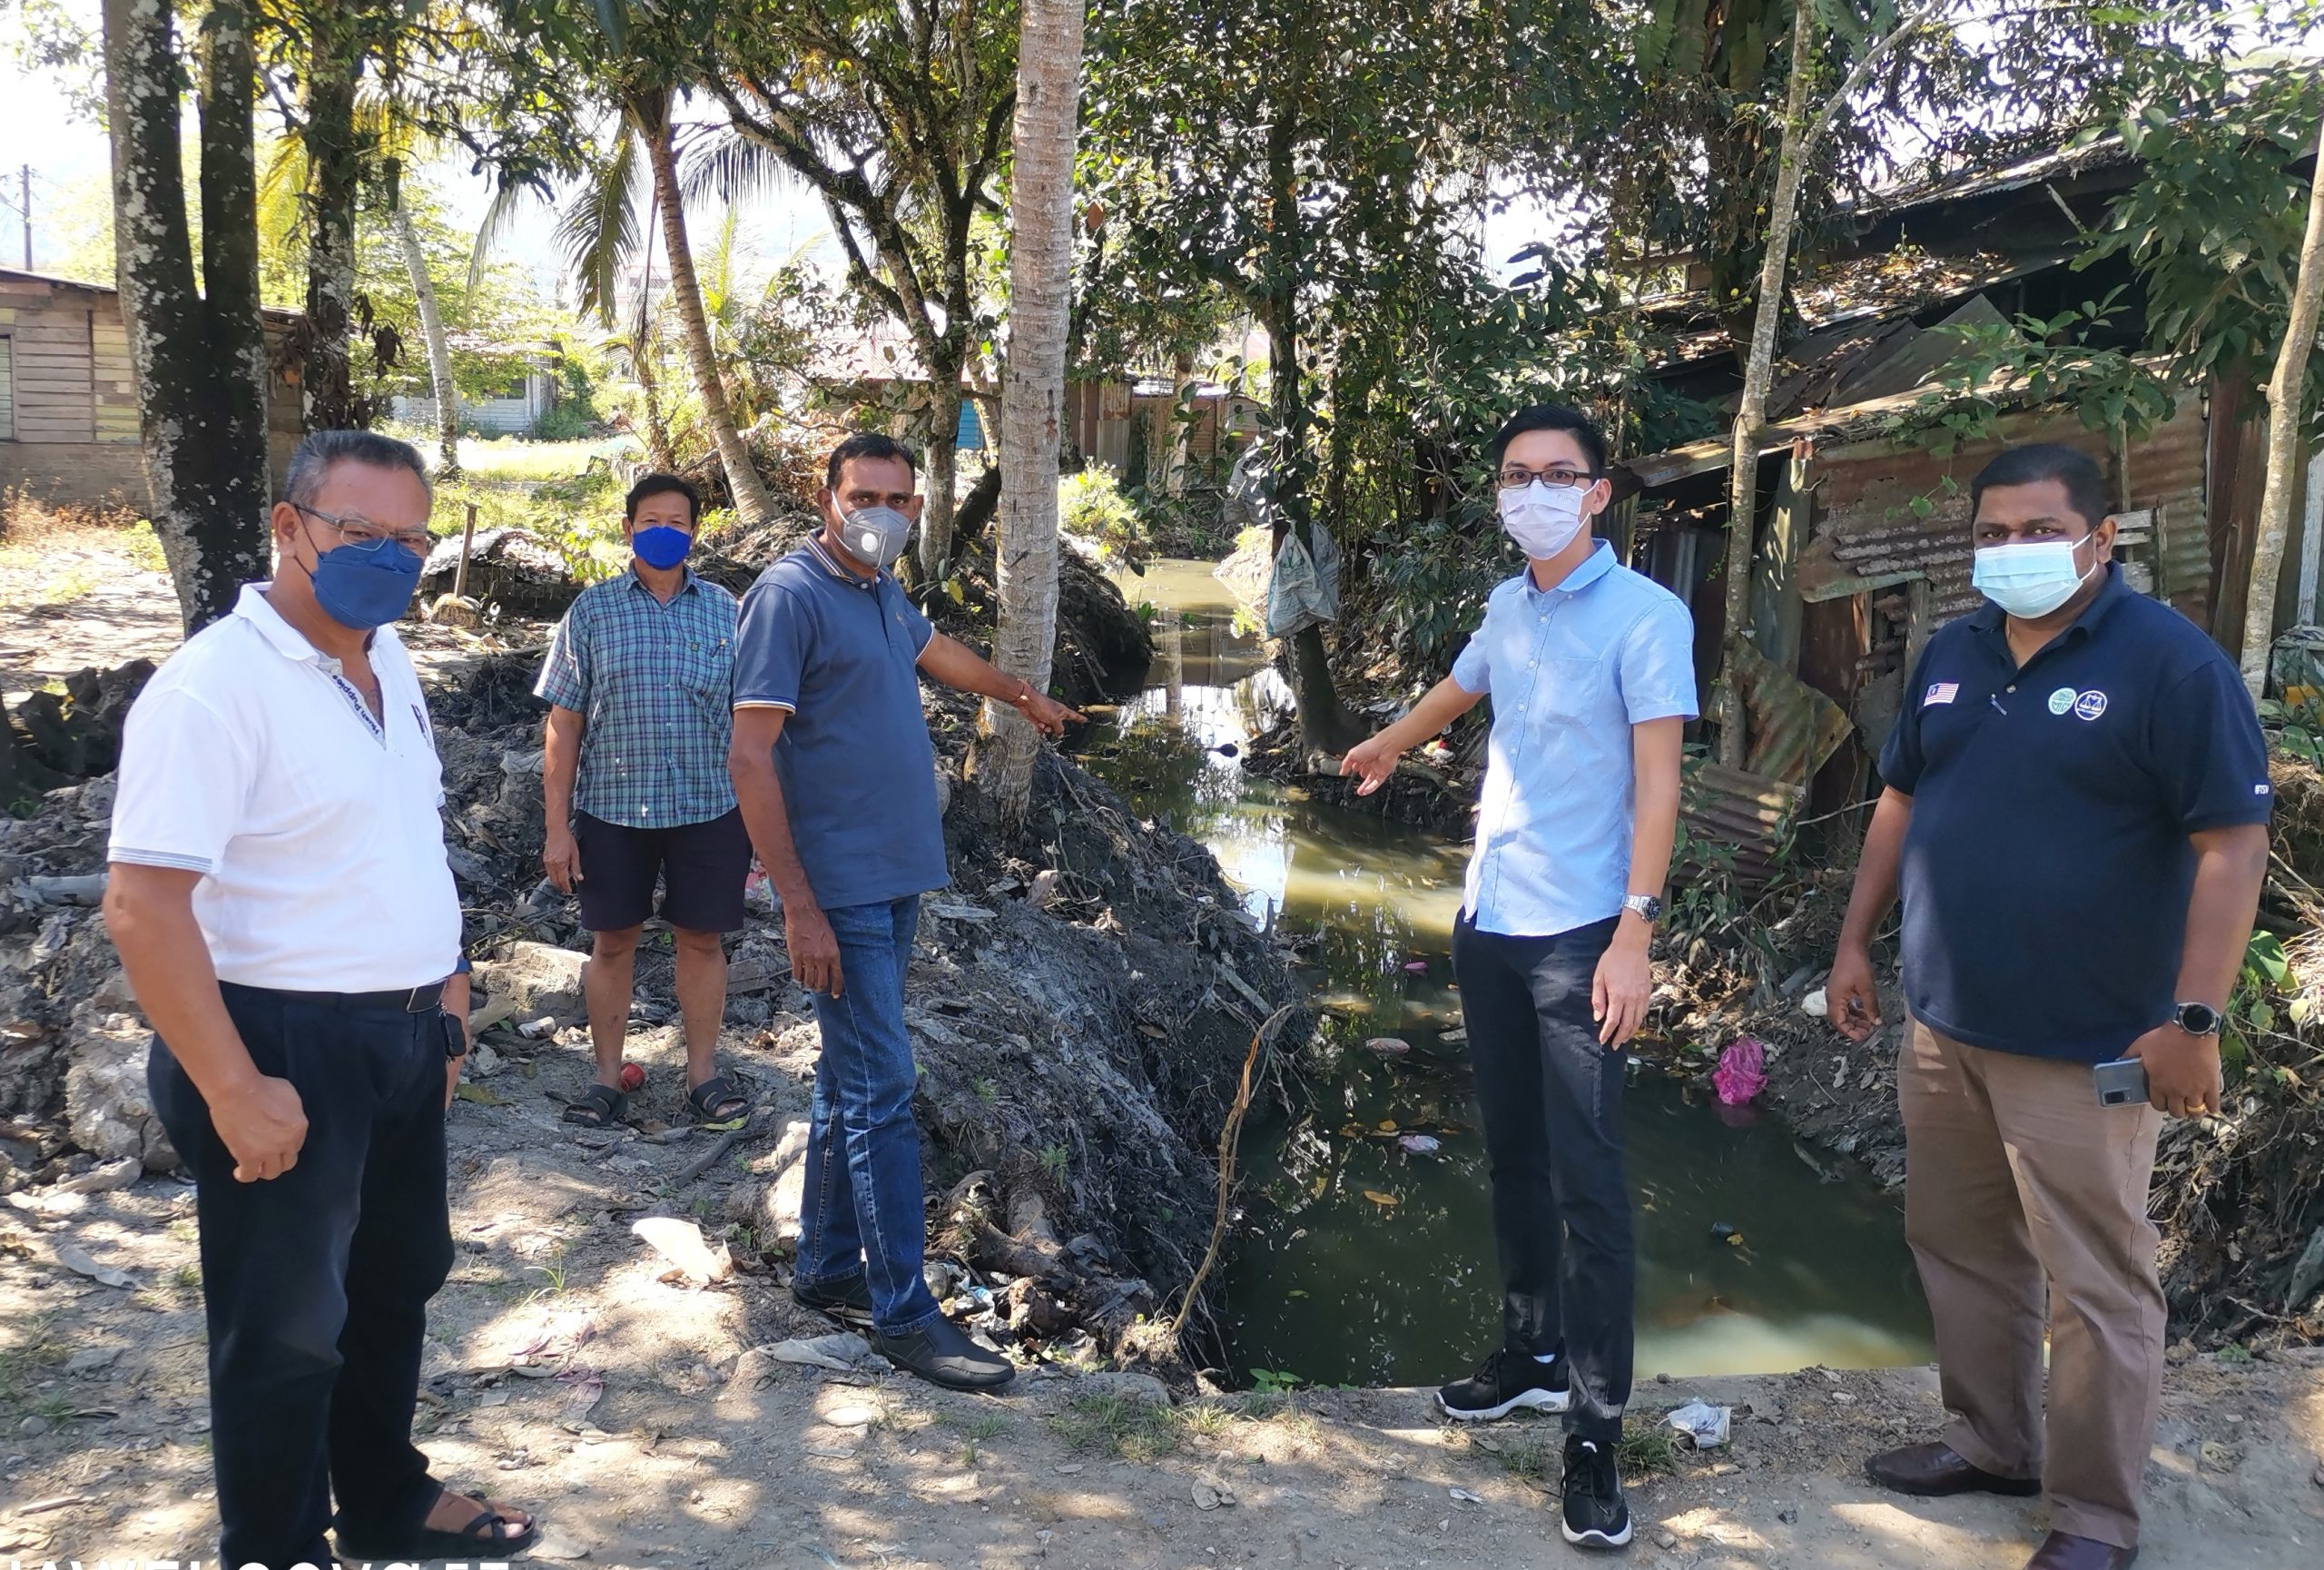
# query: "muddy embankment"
[[1081, 998]]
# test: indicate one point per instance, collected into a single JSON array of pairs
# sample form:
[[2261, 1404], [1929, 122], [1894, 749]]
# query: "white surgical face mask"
[[1543, 519], [2031, 580]]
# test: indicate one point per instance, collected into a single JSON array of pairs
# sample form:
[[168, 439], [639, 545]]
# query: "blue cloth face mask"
[[365, 587], [2029, 580], [661, 546], [876, 536]]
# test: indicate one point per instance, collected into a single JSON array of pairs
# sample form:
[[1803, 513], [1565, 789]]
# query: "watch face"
[[2198, 1019]]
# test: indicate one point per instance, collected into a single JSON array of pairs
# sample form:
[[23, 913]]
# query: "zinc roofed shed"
[[69, 424]]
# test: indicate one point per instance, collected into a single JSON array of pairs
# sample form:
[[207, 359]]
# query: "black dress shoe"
[[1935, 1471], [2064, 1551], [847, 1299], [942, 1354]]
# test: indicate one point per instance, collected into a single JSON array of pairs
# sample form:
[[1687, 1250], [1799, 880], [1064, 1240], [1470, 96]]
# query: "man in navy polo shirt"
[[2076, 812], [836, 775]]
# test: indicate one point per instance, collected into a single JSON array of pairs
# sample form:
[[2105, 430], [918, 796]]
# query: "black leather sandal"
[[598, 1107]]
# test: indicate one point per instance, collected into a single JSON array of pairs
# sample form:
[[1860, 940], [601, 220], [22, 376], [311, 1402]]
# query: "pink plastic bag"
[[1742, 1072]]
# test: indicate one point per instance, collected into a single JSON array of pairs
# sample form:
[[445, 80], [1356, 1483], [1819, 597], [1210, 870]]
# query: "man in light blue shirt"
[[1590, 666]]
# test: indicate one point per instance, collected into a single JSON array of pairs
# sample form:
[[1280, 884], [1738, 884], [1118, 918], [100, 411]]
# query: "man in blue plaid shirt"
[[640, 681]]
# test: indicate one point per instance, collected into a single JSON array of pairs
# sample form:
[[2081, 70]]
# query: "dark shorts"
[[702, 868]]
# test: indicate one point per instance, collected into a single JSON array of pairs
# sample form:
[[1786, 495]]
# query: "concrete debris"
[[688, 1253], [536, 980], [106, 1103], [105, 1177], [1209, 1495], [839, 1354], [73, 1259]]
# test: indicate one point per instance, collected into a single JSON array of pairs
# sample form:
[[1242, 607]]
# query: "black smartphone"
[[2121, 1083]]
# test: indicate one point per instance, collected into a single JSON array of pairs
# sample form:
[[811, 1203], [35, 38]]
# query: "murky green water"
[[1362, 1262]]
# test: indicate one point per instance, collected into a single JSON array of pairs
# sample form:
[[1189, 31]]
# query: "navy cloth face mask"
[[661, 546], [363, 589]]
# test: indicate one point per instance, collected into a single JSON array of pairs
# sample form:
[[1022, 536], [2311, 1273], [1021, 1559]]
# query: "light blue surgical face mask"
[[2031, 579]]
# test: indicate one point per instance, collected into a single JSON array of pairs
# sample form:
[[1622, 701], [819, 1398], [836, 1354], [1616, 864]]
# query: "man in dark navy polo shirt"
[[2075, 811], [836, 776]]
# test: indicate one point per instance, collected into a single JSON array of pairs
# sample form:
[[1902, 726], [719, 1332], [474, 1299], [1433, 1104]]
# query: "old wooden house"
[[68, 399], [1861, 545]]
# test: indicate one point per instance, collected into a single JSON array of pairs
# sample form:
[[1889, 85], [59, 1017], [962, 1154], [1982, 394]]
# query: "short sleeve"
[[2206, 751], [1656, 667], [919, 625], [1472, 666], [1900, 756], [565, 674], [770, 649], [184, 779]]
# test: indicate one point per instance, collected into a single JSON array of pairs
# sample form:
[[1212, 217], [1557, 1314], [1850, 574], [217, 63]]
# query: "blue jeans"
[[864, 1212]]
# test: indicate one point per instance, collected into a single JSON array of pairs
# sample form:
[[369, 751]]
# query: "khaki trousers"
[[2025, 1204]]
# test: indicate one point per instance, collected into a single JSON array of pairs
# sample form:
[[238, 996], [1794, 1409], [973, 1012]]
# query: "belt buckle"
[[411, 1003]]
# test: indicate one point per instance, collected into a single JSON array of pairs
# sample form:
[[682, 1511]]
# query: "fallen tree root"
[[1230, 1139]]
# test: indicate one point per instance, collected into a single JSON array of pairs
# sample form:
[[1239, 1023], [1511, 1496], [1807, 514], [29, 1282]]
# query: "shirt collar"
[[832, 565], [253, 606], [685, 581], [1593, 567]]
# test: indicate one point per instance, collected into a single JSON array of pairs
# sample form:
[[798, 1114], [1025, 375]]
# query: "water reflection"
[[1361, 1262]]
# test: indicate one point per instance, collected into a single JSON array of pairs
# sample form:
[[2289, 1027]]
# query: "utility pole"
[[25, 190]]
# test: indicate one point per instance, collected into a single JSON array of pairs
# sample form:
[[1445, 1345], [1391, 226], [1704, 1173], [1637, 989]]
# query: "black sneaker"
[[942, 1354], [1595, 1515], [847, 1299], [1504, 1383]]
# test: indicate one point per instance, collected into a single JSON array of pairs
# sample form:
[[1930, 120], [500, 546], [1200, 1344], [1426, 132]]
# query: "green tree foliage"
[[897, 117], [2213, 226]]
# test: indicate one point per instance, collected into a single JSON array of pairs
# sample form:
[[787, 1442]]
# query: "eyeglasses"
[[1560, 477], [362, 534]]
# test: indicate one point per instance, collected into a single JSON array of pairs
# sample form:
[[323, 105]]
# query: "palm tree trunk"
[[198, 358], [1751, 413], [1032, 393], [440, 350], [651, 118], [2287, 406]]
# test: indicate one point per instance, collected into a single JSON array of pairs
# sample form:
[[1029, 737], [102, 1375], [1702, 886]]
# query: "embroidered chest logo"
[[2090, 705], [2063, 699], [1940, 692]]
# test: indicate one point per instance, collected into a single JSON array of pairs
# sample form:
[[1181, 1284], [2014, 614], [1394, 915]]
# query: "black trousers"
[[316, 1283], [1553, 1103]]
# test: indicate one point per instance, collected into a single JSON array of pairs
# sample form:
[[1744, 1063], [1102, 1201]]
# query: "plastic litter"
[[1742, 1072], [1387, 1046], [1701, 1422], [1419, 1144], [1815, 1005]]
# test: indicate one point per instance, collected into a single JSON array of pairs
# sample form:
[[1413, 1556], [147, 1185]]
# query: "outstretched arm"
[[1374, 760], [956, 665]]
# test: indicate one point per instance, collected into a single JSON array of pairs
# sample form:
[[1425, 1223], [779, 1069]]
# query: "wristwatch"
[[1647, 908], [2196, 1018]]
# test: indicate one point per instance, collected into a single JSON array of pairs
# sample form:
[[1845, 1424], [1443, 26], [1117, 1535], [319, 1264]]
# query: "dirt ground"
[[649, 1422]]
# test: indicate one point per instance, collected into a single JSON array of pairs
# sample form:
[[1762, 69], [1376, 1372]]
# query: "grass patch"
[[1119, 1426], [25, 1359], [982, 1425], [1205, 1419], [1649, 1447], [1525, 1458], [516, 458]]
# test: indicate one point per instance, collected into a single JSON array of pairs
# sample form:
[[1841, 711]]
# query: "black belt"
[[417, 1000]]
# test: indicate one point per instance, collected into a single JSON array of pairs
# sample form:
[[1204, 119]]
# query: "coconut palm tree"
[[603, 231], [1032, 387]]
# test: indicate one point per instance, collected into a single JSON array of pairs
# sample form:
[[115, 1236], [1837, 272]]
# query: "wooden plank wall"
[[115, 385], [7, 384]]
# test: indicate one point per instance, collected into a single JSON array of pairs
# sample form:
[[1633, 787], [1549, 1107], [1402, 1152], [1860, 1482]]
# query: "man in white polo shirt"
[[281, 901]]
